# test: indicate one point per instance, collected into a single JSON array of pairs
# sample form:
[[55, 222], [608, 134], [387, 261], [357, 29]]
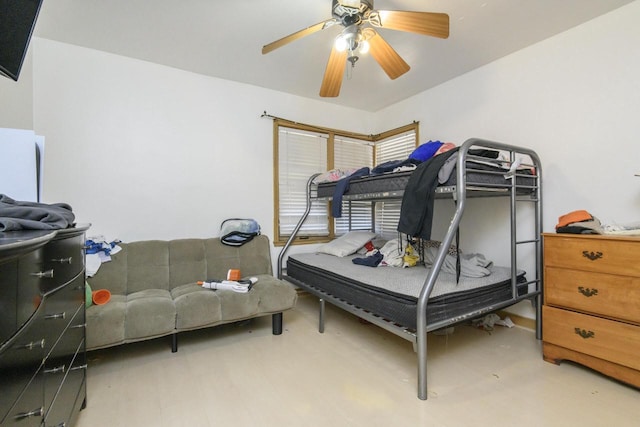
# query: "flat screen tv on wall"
[[17, 20]]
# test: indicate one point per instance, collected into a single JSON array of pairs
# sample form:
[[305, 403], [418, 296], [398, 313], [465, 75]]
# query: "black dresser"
[[42, 327]]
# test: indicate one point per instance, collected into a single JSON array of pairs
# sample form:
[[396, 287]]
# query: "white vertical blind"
[[353, 153], [397, 147], [301, 154]]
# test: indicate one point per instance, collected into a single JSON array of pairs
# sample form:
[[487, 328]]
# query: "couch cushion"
[[187, 261], [251, 259], [274, 295], [195, 307], [150, 313], [147, 265], [106, 322]]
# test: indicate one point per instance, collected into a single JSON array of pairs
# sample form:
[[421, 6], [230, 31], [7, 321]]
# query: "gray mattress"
[[392, 292], [478, 174]]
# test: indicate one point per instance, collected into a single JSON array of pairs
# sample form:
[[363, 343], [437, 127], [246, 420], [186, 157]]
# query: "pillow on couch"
[[347, 244]]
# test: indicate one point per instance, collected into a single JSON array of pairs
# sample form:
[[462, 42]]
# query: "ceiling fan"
[[358, 17]]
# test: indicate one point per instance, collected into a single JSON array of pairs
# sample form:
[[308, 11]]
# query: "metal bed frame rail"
[[459, 193]]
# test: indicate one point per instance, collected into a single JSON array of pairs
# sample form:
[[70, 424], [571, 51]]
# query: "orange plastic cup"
[[100, 296], [234, 275]]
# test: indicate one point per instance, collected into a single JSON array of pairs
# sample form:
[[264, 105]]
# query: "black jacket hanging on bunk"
[[416, 211]]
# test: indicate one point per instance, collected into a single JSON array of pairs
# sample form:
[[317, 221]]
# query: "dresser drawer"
[[58, 309], [19, 363], [27, 410], [618, 256], [616, 342], [65, 257], [30, 271], [603, 294]]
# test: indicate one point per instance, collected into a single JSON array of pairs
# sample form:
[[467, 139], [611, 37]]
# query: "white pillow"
[[347, 244]]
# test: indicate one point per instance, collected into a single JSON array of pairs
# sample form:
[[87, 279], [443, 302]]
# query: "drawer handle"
[[34, 344], [63, 260], [35, 413], [75, 368], [55, 370], [585, 334], [587, 292], [56, 315], [47, 274], [592, 255]]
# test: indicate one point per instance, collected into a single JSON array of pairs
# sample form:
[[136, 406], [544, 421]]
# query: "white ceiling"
[[224, 39]]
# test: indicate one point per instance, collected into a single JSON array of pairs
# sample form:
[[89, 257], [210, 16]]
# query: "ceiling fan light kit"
[[358, 17]]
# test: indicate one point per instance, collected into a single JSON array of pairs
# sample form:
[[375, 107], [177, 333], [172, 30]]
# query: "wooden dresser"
[[42, 327], [591, 312]]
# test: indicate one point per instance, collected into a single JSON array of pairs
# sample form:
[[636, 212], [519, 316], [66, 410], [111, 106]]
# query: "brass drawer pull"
[[63, 260], [55, 370], [585, 334], [587, 292], [47, 274], [592, 255], [35, 413]]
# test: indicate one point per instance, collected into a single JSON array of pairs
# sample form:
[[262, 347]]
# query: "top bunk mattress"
[[392, 292], [480, 175]]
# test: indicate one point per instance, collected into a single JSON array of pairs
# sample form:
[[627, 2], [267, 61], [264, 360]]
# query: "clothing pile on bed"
[[404, 253]]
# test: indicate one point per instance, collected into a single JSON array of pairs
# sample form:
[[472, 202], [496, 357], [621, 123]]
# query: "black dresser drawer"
[[65, 257], [42, 327], [19, 363]]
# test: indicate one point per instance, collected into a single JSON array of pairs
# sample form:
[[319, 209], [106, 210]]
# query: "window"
[[302, 150], [392, 147]]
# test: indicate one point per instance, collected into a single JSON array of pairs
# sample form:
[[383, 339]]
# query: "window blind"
[[387, 213], [353, 154], [301, 154]]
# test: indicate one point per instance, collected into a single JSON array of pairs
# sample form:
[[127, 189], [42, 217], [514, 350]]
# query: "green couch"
[[154, 291]]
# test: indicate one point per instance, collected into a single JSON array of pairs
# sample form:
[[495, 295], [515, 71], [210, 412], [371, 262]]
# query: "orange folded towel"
[[571, 217]]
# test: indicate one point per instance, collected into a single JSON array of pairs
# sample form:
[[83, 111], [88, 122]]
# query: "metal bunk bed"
[[529, 192]]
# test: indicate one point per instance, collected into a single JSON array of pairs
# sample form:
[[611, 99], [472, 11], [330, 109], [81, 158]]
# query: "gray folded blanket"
[[16, 215]]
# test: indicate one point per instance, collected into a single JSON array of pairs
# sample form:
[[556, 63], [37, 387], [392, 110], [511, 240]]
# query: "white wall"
[[144, 151], [16, 98], [573, 98]]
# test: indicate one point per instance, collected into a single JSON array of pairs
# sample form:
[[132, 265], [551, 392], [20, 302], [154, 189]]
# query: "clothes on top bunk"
[[426, 151], [333, 175], [341, 187], [395, 166], [19, 215], [416, 210]]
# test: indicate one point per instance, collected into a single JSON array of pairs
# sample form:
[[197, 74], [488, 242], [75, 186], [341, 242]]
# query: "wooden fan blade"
[[297, 35], [427, 23], [387, 57], [333, 74]]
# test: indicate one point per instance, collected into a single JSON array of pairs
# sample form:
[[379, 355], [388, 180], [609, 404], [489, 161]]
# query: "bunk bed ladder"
[[461, 198]]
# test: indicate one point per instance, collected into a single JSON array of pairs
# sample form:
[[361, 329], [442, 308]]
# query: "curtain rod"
[[345, 133]]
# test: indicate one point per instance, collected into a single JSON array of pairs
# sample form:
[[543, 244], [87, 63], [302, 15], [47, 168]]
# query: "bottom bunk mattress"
[[392, 293]]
